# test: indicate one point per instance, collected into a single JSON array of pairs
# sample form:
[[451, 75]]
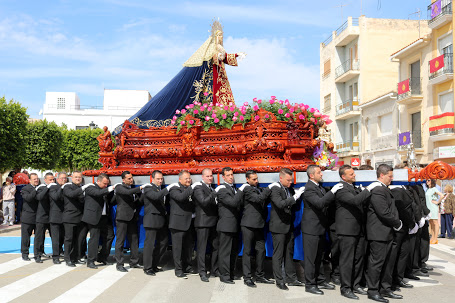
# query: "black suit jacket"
[[403, 202], [281, 214], [182, 207], [42, 212], [349, 216], [56, 204], [382, 215], [95, 197], [315, 217], [423, 203], [206, 208], [254, 207], [416, 207], [154, 206], [229, 204], [29, 205], [127, 200], [73, 198]]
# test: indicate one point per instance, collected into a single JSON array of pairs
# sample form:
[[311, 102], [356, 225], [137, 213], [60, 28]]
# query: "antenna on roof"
[[418, 15], [341, 8]]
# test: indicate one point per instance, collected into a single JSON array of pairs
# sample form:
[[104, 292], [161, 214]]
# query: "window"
[[385, 124], [327, 103], [60, 103], [326, 69], [356, 91], [446, 103], [445, 44]]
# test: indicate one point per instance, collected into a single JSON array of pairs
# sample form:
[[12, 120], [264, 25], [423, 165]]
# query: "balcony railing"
[[347, 66], [447, 69], [355, 22], [442, 124], [414, 88], [347, 146], [347, 106], [446, 9], [84, 107]]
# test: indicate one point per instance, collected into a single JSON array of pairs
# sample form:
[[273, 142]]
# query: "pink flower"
[[213, 116], [306, 106], [187, 107], [266, 116], [226, 107], [312, 110], [216, 120], [243, 112], [241, 118], [256, 118], [328, 121], [271, 101], [191, 122], [209, 109], [234, 118], [301, 117], [255, 108], [232, 108], [259, 101], [245, 104], [312, 120], [173, 122], [206, 94], [182, 122], [217, 104], [207, 118], [255, 99], [236, 114], [191, 105], [196, 112], [183, 111], [174, 118], [273, 97], [224, 116], [281, 102], [291, 110], [317, 114], [177, 112], [280, 111], [287, 115]]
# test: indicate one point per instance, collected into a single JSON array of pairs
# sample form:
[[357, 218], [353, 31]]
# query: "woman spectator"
[[8, 191], [446, 209], [431, 196]]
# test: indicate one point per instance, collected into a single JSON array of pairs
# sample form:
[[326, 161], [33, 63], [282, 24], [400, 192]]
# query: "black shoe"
[[264, 280], [92, 265], [336, 280], [325, 285], [313, 289], [441, 236], [135, 266], [181, 275], [56, 261], [191, 271], [249, 283], [359, 290], [227, 281], [150, 272], [378, 298], [296, 283], [424, 270], [236, 278], [425, 266], [105, 262], [404, 284], [349, 294], [421, 274], [157, 269], [204, 278], [412, 277], [282, 286], [38, 260], [390, 294], [62, 254], [121, 268], [25, 258], [70, 264]]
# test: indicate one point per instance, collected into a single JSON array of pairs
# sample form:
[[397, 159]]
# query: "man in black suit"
[[107, 234], [382, 220], [255, 201], [28, 214], [55, 216], [281, 225], [315, 224], [350, 226], [155, 223], [229, 204], [205, 223], [73, 197], [96, 214], [42, 216], [181, 224], [126, 220]]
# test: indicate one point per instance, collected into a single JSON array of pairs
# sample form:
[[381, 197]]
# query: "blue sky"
[[86, 46]]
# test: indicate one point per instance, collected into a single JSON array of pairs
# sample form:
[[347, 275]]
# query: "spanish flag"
[[403, 87], [436, 64]]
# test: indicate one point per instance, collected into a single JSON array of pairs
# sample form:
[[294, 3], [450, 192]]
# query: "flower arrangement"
[[323, 157], [225, 116]]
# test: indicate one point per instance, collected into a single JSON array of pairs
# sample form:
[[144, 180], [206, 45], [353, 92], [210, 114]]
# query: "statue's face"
[[219, 37]]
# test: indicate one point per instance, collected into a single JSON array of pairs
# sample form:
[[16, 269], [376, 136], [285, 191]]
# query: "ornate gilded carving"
[[435, 170]]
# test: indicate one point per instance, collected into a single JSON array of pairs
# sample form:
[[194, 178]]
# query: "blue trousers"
[[446, 224]]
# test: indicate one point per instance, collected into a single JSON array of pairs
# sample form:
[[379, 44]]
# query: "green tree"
[[44, 142], [13, 124]]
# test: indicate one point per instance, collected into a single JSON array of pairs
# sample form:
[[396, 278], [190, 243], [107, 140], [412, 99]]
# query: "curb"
[[10, 228]]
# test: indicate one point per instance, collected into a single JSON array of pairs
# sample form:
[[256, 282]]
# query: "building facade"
[[118, 106]]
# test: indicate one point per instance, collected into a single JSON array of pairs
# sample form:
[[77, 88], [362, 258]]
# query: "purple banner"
[[435, 9], [404, 138]]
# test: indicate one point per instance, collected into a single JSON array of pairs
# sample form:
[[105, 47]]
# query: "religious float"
[[193, 123]]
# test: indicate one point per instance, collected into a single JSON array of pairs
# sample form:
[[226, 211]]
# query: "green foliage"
[[44, 141], [13, 123]]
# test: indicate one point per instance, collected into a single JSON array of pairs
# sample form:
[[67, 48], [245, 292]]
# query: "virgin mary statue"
[[203, 76]]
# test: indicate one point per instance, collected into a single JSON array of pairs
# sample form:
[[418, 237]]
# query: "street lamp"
[[92, 125]]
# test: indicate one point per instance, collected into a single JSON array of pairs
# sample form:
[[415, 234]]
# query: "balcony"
[[438, 19], [347, 109], [346, 71], [347, 32], [442, 127], [348, 147], [443, 74], [413, 95]]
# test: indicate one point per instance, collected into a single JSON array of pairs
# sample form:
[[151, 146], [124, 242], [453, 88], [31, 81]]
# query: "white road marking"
[[441, 264], [12, 265], [165, 284], [444, 248], [223, 292]]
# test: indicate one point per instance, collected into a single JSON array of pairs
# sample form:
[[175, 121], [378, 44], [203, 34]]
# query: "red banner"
[[403, 87], [355, 161], [436, 64]]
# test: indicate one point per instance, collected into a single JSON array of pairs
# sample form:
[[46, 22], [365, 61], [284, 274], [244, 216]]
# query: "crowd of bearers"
[[378, 234]]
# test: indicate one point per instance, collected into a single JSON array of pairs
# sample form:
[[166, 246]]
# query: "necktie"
[[288, 194]]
